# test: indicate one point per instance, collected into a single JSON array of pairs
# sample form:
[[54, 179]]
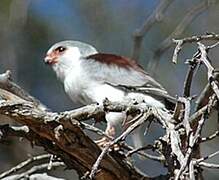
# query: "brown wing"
[[127, 72], [126, 75], [120, 61]]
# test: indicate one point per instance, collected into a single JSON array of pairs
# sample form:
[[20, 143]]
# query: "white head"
[[64, 55]]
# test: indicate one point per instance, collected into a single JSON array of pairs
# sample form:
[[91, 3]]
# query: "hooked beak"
[[50, 59]]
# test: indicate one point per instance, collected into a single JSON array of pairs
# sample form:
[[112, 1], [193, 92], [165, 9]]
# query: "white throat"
[[68, 62]]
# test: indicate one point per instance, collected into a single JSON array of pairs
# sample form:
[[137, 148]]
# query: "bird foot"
[[103, 142]]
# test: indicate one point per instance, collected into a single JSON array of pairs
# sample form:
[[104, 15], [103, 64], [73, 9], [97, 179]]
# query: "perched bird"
[[90, 77]]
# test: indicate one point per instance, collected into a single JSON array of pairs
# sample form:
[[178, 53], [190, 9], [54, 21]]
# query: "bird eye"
[[60, 49]]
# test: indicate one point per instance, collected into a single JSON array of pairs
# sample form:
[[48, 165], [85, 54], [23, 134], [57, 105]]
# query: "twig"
[[208, 165], [118, 139], [177, 49], [149, 146], [188, 18], [192, 141], [23, 164], [180, 42], [189, 76], [6, 130], [143, 154], [7, 84], [211, 70], [212, 46], [98, 161], [35, 176], [204, 139], [199, 113], [83, 150], [191, 171], [38, 168], [206, 37], [203, 98], [186, 115], [96, 130], [207, 157], [156, 16]]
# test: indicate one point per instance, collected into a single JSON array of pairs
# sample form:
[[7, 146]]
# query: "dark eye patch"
[[60, 49]]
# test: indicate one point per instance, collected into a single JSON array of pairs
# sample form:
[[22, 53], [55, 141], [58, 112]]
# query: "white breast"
[[99, 92], [75, 83], [84, 90]]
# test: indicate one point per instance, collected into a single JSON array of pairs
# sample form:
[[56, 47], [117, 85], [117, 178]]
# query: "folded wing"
[[125, 74]]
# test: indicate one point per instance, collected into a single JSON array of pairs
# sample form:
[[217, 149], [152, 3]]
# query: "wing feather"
[[125, 74]]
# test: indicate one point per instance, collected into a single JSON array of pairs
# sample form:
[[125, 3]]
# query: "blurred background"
[[29, 27]]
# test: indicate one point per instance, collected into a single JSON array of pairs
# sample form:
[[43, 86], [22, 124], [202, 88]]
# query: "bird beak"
[[50, 59]]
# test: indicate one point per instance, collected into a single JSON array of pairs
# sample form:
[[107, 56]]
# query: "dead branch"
[[23, 164], [36, 169], [210, 69], [62, 135], [35, 176], [214, 135], [156, 16], [181, 42], [6, 83], [65, 135], [193, 13]]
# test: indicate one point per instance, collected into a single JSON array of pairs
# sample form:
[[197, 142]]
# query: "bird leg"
[[110, 132]]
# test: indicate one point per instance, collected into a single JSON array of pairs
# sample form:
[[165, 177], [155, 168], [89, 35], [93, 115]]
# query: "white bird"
[[91, 77]]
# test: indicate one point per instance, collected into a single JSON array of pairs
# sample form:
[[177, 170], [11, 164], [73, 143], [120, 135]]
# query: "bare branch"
[[181, 42], [139, 149], [140, 118], [81, 154], [191, 171], [207, 92], [186, 115], [155, 17], [6, 83], [61, 134], [145, 155], [23, 164], [209, 165], [193, 13], [192, 141], [35, 176], [207, 157], [211, 70], [204, 139], [38, 168]]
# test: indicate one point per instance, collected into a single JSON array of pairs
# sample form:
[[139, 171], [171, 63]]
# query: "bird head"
[[66, 54]]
